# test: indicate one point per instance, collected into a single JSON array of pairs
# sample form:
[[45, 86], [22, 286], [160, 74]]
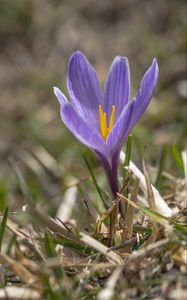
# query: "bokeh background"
[[38, 36]]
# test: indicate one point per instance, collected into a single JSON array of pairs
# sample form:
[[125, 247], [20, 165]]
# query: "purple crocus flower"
[[102, 120]]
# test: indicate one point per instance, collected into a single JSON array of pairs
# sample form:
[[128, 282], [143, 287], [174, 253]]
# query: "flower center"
[[104, 128]]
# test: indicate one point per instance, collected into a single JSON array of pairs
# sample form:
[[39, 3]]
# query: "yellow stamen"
[[112, 118], [104, 129]]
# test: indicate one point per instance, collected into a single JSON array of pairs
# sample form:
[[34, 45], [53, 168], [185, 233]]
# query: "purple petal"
[[145, 93], [120, 131], [117, 86], [82, 131], [133, 111], [60, 96], [110, 166], [84, 88]]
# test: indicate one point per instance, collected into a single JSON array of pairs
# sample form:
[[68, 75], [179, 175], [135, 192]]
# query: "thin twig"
[[124, 244]]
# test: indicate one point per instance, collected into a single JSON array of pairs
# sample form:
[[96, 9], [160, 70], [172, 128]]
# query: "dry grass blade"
[[145, 250], [105, 215], [51, 224], [86, 239], [65, 209], [14, 227], [30, 161], [125, 244], [128, 222], [150, 195], [161, 205], [47, 160], [13, 292], [108, 292], [53, 262], [113, 223], [151, 202], [25, 275], [110, 255], [87, 201]]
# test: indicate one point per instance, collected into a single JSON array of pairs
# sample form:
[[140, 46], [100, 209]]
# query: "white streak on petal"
[[60, 96]]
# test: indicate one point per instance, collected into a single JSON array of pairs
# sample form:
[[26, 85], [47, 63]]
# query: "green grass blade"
[[178, 159], [22, 183], [127, 156], [3, 226], [179, 227], [3, 196], [80, 248], [49, 293], [155, 216], [150, 213], [142, 230], [49, 246], [11, 244], [160, 168], [26, 193], [125, 171], [50, 251], [94, 179]]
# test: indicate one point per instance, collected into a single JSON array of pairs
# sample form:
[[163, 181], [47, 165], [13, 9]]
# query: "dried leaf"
[[161, 205], [13, 292]]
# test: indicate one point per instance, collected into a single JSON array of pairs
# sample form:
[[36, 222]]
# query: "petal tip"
[[77, 54], [155, 64], [153, 70], [55, 90], [59, 95], [120, 58]]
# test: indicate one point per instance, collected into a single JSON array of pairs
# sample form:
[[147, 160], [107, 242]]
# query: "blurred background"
[[37, 38]]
